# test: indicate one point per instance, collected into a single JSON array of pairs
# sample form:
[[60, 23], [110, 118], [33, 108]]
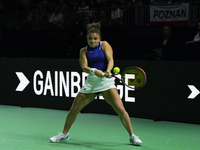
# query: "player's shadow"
[[93, 145], [72, 143]]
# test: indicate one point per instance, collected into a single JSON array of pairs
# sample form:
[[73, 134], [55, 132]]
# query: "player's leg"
[[79, 103], [112, 97]]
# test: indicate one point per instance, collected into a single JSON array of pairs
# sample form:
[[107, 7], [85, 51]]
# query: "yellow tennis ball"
[[116, 70]]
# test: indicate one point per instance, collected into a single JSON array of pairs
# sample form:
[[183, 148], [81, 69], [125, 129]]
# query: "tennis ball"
[[116, 70]]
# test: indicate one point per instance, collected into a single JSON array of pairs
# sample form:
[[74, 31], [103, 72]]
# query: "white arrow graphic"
[[23, 81], [194, 92]]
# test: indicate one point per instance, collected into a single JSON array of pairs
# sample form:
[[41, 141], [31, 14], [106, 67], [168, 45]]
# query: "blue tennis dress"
[[97, 59]]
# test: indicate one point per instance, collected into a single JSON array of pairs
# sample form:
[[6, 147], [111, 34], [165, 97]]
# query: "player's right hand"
[[99, 73]]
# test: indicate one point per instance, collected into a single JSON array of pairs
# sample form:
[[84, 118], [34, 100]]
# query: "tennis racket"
[[132, 77]]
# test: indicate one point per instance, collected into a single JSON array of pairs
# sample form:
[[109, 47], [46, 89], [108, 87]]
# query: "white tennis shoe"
[[135, 140], [60, 137]]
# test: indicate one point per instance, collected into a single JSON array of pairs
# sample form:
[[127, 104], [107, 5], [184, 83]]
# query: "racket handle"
[[110, 75]]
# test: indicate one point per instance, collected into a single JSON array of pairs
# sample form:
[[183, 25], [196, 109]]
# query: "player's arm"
[[109, 55], [83, 61]]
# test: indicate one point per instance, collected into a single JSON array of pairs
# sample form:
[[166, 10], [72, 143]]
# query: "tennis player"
[[96, 59]]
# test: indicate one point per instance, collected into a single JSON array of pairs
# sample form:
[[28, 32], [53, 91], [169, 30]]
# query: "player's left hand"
[[107, 74]]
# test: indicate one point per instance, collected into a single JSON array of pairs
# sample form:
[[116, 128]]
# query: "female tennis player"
[[96, 59]]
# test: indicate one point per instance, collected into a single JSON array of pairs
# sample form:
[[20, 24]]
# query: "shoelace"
[[136, 137], [59, 135]]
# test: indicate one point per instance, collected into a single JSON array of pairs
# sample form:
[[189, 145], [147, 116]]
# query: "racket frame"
[[123, 82]]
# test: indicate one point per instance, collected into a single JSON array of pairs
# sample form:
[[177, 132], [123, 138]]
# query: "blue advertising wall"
[[171, 92]]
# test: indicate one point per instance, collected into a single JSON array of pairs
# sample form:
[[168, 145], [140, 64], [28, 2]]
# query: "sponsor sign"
[[171, 93], [63, 84]]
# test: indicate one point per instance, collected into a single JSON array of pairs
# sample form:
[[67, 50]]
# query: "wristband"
[[92, 70]]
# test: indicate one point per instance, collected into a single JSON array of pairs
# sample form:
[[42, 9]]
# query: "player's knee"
[[74, 111], [120, 111]]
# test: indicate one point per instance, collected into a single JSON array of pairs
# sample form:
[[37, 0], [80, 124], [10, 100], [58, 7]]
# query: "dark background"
[[132, 43]]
